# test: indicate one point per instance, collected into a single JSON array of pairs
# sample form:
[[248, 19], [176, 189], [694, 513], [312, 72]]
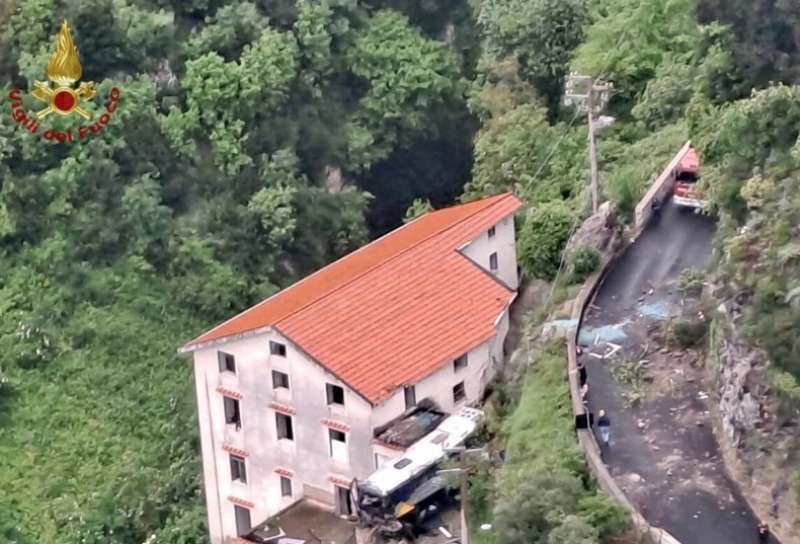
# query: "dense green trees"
[[681, 69], [765, 43], [541, 34], [233, 166], [257, 141], [754, 182]]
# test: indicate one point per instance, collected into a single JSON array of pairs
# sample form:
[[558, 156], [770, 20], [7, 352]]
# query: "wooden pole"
[[593, 152], [464, 527]]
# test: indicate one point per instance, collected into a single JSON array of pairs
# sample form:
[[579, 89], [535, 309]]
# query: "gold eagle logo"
[[64, 69]]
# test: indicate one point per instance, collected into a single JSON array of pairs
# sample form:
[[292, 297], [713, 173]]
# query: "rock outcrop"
[[758, 447], [597, 231]]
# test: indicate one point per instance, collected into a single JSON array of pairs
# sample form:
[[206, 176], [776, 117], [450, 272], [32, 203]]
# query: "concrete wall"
[[504, 244], [660, 189], [307, 457]]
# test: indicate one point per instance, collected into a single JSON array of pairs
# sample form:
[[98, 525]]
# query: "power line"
[[554, 147]]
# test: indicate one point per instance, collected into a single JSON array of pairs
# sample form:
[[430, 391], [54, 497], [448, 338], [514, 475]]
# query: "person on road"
[[582, 373], [585, 395], [655, 206], [604, 426], [763, 533]]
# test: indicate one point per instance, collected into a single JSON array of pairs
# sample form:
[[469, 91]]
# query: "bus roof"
[[429, 450]]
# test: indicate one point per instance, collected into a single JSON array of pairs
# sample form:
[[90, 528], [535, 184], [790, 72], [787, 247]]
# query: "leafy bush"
[[776, 331], [529, 510], [688, 333], [786, 385], [665, 97], [419, 206], [542, 238], [624, 189], [608, 517], [573, 530], [787, 391], [481, 492], [585, 260], [632, 377], [631, 160], [691, 281]]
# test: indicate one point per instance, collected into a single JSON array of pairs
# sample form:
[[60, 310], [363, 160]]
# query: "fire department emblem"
[[63, 70]]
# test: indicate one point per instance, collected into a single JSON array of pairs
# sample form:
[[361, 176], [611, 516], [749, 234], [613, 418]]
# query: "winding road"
[[663, 452]]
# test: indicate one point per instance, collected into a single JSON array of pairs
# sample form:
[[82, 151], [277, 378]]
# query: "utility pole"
[[462, 471], [590, 95]]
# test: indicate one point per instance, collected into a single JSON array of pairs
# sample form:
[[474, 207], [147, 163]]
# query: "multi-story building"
[[291, 391]]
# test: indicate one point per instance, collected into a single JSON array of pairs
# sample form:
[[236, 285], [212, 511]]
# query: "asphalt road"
[[663, 452]]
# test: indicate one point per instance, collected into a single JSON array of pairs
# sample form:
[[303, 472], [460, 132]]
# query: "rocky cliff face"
[[761, 450]]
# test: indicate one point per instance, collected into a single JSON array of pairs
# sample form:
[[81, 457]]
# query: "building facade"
[[290, 392]]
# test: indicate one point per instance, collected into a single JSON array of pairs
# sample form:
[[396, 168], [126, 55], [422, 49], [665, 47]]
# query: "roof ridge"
[[396, 255]]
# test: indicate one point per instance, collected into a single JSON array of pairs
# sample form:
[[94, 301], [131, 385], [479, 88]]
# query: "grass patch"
[[543, 487], [541, 429]]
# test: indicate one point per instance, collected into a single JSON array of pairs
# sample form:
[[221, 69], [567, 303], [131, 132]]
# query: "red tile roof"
[[395, 310]]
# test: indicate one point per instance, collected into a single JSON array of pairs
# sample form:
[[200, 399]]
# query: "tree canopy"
[[257, 141]]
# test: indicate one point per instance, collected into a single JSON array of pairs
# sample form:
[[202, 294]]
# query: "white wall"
[[308, 456], [503, 243], [438, 386]]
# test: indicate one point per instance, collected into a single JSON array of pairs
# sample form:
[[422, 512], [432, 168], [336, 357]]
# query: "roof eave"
[[196, 345]]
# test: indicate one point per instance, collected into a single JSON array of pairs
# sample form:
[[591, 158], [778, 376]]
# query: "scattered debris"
[[615, 349], [658, 310]]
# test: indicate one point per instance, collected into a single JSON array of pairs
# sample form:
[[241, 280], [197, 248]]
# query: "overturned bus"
[[400, 496]]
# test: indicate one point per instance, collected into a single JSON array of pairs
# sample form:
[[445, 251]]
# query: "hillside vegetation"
[[722, 74], [254, 143], [259, 140]]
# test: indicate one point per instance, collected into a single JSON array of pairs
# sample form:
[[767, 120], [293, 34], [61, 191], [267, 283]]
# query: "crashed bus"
[[399, 497]]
